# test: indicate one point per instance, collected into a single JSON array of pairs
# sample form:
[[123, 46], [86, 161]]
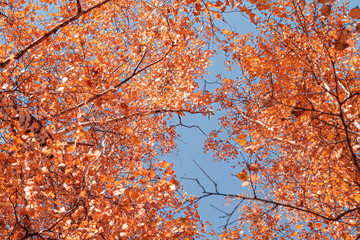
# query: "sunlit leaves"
[[95, 86], [241, 139], [355, 13], [297, 102]]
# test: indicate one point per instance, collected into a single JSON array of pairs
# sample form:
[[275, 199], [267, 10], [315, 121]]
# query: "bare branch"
[[122, 118]]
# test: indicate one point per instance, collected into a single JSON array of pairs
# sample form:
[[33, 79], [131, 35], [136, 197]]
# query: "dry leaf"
[[358, 28], [266, 101], [340, 46], [326, 10], [254, 167], [342, 35], [242, 175], [297, 112], [355, 13]]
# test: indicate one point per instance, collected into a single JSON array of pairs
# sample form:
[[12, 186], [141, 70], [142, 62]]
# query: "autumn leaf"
[[245, 183], [164, 164], [357, 28], [254, 178], [326, 10], [254, 167], [134, 195], [71, 149], [355, 13], [241, 139], [129, 130], [152, 173], [242, 175]]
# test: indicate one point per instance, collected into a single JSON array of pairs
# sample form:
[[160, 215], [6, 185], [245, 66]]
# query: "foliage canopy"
[[89, 88]]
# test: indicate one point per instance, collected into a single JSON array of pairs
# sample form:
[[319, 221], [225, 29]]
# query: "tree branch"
[[135, 72], [92, 123], [58, 27]]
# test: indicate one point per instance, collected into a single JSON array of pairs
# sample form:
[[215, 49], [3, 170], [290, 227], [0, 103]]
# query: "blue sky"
[[191, 143]]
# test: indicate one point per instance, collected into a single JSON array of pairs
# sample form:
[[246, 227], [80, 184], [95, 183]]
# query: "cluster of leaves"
[[87, 90], [298, 103]]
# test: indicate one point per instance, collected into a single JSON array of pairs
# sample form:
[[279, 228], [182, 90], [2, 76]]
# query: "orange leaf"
[[136, 173], [198, 7], [241, 139], [254, 167], [299, 226], [164, 164], [129, 130], [242, 175], [218, 4], [254, 178], [134, 195], [71, 149], [83, 193], [152, 173]]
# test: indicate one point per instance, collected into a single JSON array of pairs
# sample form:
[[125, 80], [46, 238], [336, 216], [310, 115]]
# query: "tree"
[[89, 88], [295, 113], [87, 92]]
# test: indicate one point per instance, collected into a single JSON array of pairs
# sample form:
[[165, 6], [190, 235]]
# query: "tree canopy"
[[89, 89]]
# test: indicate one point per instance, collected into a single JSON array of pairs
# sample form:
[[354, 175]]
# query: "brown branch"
[[58, 27], [92, 123], [78, 5], [255, 198], [336, 218]]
